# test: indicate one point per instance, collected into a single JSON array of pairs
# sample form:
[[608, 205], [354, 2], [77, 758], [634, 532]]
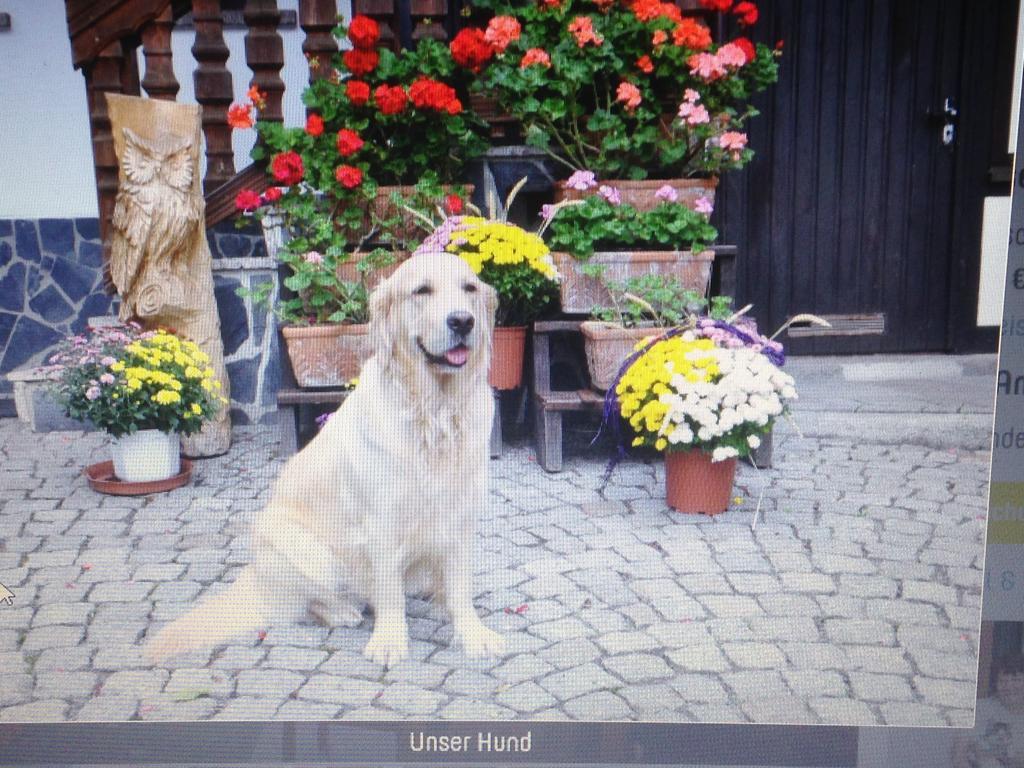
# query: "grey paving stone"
[[526, 697], [577, 681], [108, 708], [411, 700], [699, 658], [638, 667], [835, 711]]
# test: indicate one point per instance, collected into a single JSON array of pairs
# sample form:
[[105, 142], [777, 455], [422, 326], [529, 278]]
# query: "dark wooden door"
[[848, 207]]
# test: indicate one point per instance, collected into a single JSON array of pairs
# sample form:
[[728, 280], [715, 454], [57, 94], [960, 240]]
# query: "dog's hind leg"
[[300, 547]]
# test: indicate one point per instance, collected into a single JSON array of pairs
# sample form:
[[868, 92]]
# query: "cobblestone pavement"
[[852, 597]]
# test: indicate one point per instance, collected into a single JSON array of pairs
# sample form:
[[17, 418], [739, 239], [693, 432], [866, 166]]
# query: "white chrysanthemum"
[[753, 441]]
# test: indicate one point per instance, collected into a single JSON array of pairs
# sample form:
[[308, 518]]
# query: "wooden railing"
[[105, 36]]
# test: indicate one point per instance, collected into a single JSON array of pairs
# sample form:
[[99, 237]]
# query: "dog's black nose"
[[461, 322]]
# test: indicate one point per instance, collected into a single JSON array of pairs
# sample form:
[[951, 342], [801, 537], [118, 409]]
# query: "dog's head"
[[435, 315]]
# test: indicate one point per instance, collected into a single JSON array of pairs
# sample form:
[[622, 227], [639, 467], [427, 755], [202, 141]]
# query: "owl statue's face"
[[167, 162]]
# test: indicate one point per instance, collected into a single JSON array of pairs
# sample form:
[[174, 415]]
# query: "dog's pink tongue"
[[457, 355]]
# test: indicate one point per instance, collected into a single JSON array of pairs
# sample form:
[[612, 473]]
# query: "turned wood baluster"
[[317, 18], [213, 91], [104, 75], [264, 53], [159, 80]]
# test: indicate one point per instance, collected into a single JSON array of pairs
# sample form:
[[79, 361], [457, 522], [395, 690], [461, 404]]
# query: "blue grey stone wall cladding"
[[51, 282]]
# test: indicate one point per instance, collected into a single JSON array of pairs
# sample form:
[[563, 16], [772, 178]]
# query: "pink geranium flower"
[[629, 95], [611, 194], [314, 257], [535, 56], [582, 28], [581, 181], [667, 193], [704, 205], [693, 114], [731, 55]]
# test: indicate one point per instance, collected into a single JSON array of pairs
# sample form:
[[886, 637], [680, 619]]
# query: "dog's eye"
[[423, 290], [469, 288]]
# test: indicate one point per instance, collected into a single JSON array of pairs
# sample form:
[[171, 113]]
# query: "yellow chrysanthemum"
[[196, 409], [167, 397]]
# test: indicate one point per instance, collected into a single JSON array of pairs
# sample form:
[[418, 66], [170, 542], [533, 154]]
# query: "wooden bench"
[[550, 405], [294, 398]]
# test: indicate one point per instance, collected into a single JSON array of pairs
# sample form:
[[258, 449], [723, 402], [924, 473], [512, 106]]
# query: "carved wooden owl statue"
[[156, 214], [160, 261]]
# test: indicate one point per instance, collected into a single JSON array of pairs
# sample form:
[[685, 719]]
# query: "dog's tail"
[[237, 609]]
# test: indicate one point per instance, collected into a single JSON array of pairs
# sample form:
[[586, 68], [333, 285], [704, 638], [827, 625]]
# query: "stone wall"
[[51, 282]]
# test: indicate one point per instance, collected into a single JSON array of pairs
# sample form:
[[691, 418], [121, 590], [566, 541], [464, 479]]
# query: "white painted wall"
[[45, 148], [45, 151]]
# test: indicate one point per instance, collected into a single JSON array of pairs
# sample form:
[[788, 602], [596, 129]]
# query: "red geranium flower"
[[747, 13], [247, 200], [240, 116], [287, 168], [692, 34], [357, 91], [348, 176], [648, 10], [390, 99], [645, 65], [426, 93], [747, 47], [363, 32], [361, 62], [314, 125], [470, 49], [722, 6], [272, 195], [454, 204], [348, 142]]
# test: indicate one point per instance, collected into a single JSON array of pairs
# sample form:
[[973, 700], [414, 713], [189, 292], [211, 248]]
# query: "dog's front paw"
[[387, 647], [478, 640]]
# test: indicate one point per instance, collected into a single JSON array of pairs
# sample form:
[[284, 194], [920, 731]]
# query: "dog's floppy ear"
[[381, 328]]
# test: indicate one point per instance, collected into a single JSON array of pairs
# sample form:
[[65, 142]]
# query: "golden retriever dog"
[[384, 500]]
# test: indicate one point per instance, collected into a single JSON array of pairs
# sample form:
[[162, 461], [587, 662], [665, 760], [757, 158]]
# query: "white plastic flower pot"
[[145, 456]]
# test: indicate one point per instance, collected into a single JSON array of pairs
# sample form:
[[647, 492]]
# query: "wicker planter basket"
[[607, 346], [326, 355], [641, 194], [581, 293]]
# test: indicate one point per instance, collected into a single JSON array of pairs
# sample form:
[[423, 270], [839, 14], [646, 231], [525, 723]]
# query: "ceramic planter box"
[[581, 293]]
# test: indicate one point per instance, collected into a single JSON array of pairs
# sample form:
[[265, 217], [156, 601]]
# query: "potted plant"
[[386, 127], [144, 389], [625, 242], [641, 307], [518, 265], [634, 91], [703, 405]]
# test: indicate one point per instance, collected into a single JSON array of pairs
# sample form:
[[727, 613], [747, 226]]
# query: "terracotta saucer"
[[103, 480]]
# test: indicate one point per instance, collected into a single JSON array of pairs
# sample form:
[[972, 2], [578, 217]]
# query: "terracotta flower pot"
[[580, 293], [326, 355], [607, 346], [641, 194], [694, 484], [507, 350]]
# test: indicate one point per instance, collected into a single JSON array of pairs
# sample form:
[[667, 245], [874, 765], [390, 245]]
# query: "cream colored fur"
[[385, 499]]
